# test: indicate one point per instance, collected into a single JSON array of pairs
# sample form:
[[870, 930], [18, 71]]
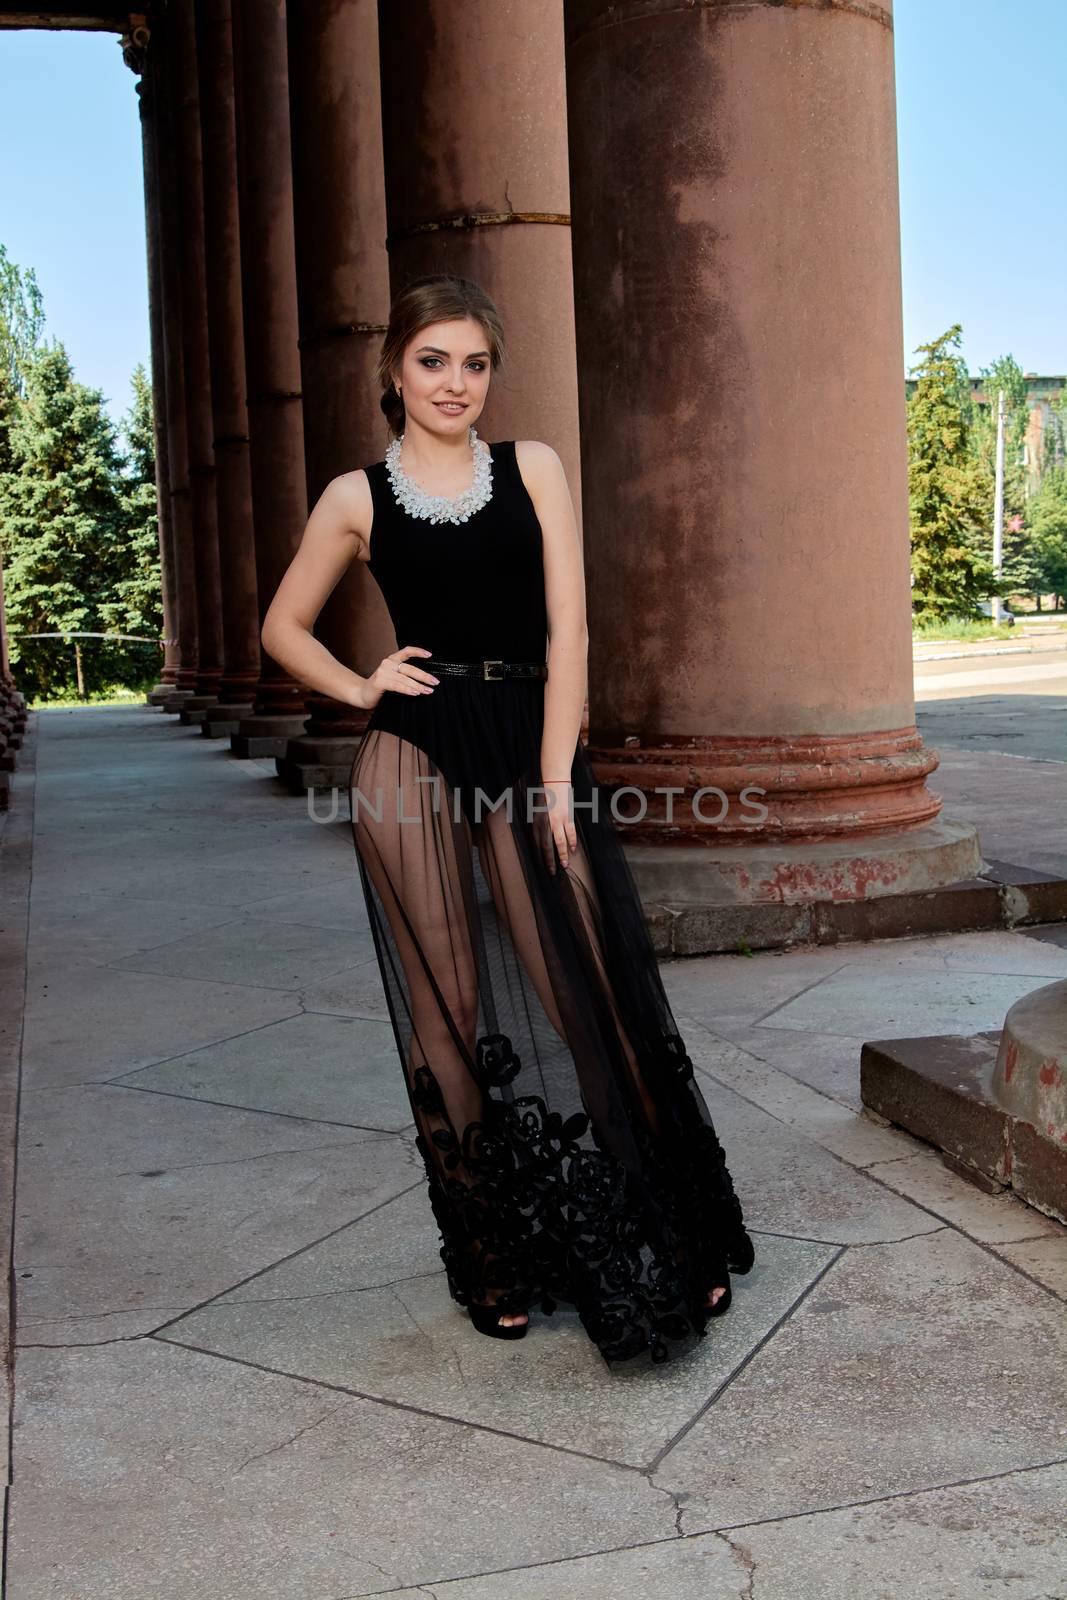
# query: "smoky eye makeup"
[[477, 363]]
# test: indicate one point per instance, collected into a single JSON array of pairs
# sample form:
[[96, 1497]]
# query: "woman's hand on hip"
[[398, 674]]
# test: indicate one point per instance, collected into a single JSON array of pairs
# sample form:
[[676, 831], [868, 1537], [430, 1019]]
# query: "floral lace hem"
[[529, 1216]]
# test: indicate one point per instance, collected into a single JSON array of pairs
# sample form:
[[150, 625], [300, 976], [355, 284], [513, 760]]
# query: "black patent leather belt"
[[491, 671]]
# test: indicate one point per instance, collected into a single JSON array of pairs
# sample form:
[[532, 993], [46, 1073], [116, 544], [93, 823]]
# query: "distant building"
[[1040, 394]]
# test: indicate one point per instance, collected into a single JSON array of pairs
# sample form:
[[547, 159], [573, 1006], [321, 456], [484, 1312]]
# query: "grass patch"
[[964, 630], [117, 695]]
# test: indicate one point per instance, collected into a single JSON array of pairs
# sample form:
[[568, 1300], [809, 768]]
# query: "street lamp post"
[[998, 509]]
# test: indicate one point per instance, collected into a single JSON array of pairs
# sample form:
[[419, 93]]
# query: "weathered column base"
[[173, 700], [225, 717], [791, 872], [318, 762], [195, 706], [942, 1089], [1031, 1073], [259, 736], [1000, 896], [740, 790]]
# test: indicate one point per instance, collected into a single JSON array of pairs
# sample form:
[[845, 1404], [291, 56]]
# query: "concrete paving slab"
[[224, 881], [912, 1365], [99, 928], [409, 1342], [87, 1023], [105, 1327], [1043, 1258], [257, 951], [788, 1184], [827, 1063], [736, 996], [855, 1137], [147, 1470], [353, 992], [338, 906], [702, 1568], [738, 990], [327, 1068], [397, 1240], [885, 1003], [975, 1542], [129, 1198], [1015, 950], [993, 1219], [979, 1541], [207, 825]]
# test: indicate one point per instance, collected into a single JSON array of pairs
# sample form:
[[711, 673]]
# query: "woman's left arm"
[[568, 636]]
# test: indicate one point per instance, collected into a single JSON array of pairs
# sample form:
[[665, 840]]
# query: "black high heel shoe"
[[487, 1320]]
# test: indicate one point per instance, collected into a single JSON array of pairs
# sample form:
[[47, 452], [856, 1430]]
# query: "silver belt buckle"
[[493, 677]]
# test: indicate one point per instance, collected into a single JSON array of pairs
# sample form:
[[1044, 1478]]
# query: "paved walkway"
[[239, 1373]]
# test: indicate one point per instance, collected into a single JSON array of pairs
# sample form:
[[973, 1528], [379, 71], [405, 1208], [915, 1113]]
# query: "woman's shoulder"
[[350, 499], [533, 450], [536, 459], [358, 482]]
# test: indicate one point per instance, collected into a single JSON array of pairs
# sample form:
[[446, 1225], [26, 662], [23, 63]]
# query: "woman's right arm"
[[336, 530]]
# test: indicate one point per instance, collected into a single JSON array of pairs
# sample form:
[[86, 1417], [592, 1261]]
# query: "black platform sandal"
[[740, 1259], [487, 1320], [722, 1303], [740, 1262]]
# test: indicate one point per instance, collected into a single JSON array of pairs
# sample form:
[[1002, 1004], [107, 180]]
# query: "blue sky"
[[983, 219]]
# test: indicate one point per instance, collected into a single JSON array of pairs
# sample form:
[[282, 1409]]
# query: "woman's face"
[[444, 376]]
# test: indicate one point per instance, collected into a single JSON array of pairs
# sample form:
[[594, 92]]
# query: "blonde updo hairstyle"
[[438, 297]]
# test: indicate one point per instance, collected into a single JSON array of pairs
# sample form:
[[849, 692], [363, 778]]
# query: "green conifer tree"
[[1048, 515], [950, 510], [137, 604], [21, 322], [62, 522]]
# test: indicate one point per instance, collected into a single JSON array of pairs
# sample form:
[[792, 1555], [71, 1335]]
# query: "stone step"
[[941, 1088]]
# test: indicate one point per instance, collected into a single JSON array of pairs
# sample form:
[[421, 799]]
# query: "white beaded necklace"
[[439, 507]]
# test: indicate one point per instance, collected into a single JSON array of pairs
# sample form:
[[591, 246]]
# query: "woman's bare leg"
[[418, 870]]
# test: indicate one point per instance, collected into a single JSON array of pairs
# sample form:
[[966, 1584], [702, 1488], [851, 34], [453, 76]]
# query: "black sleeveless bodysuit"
[[471, 590], [568, 1150], [467, 591]]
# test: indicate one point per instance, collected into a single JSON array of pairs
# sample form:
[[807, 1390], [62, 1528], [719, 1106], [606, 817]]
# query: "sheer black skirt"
[[569, 1152]]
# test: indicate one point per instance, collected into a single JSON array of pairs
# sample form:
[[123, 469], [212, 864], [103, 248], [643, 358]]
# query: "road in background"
[[1006, 698]]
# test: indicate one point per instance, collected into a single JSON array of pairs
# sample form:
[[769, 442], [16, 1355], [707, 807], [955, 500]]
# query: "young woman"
[[568, 1149]]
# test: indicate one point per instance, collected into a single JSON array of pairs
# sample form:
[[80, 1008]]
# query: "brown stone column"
[[13, 713], [737, 291], [475, 133], [233, 482], [200, 420], [175, 461], [343, 295], [137, 60], [272, 358]]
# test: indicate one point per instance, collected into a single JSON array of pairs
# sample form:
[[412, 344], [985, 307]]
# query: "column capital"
[[135, 41]]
